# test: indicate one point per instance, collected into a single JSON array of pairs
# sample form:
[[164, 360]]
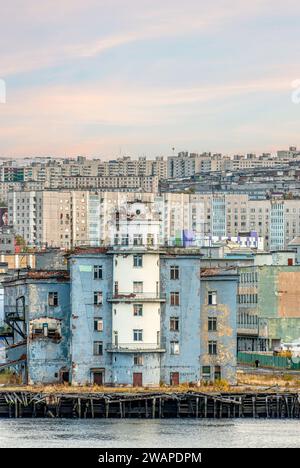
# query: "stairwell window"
[[97, 272], [98, 324], [212, 323], [98, 298], [53, 299], [138, 360], [98, 348], [212, 348], [174, 272], [174, 324], [174, 347], [212, 298], [174, 298]]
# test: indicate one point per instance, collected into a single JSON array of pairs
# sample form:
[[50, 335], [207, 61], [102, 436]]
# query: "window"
[[150, 239], [137, 335], [212, 348], [53, 299], [174, 347], [174, 324], [98, 298], [98, 324], [116, 338], [137, 310], [137, 286], [212, 298], [97, 271], [174, 272], [125, 240], [98, 348], [174, 298], [217, 372], [206, 372], [212, 323], [138, 360], [137, 239], [138, 261]]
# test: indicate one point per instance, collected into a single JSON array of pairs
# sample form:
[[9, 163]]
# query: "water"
[[170, 433]]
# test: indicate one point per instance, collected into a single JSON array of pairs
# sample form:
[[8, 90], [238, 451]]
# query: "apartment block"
[[123, 316]]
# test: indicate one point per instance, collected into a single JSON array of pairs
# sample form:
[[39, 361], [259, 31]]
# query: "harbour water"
[[168, 433]]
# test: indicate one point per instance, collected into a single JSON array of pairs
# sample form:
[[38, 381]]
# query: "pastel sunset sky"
[[105, 78]]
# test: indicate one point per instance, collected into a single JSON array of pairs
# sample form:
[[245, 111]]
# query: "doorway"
[[137, 379], [174, 378], [98, 377]]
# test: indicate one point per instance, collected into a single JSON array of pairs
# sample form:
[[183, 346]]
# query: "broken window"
[[218, 373], [212, 323], [98, 324], [98, 298], [174, 347], [212, 298], [138, 360], [53, 299], [137, 310], [174, 298], [174, 272], [206, 372], [174, 324], [212, 348], [137, 335], [97, 271], [46, 328], [98, 348]]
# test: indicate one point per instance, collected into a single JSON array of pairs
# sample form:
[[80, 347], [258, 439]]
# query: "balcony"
[[135, 347], [248, 329], [136, 297]]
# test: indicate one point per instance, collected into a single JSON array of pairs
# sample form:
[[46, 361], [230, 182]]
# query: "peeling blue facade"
[[186, 362], [218, 325], [47, 357]]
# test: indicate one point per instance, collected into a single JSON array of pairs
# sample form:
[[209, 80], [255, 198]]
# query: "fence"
[[268, 360]]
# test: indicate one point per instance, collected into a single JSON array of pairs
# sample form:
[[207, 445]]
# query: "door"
[[174, 378], [98, 378], [137, 379], [65, 377]]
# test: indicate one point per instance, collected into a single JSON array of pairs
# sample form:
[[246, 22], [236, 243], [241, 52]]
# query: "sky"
[[107, 78]]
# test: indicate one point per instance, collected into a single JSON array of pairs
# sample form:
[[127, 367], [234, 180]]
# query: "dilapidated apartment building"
[[130, 315]]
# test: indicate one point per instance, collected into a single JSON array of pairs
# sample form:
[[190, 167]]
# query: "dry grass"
[[285, 381], [246, 382], [217, 387]]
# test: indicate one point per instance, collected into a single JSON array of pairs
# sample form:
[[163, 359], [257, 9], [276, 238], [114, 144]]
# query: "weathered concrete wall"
[[45, 357], [188, 312], [279, 301], [83, 286], [123, 368], [225, 311]]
